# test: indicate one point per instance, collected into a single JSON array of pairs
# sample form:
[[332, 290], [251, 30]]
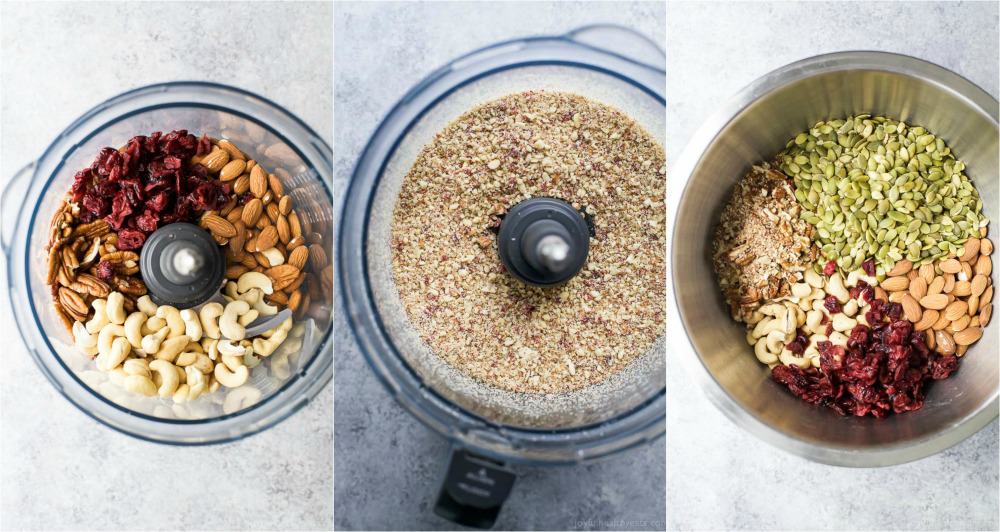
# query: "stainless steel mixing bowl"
[[754, 126]]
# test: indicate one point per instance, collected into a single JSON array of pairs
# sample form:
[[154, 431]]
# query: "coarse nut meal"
[[274, 261], [476, 316], [858, 258]]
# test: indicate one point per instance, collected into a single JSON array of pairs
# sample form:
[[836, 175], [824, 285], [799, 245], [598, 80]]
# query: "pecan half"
[[88, 284], [129, 285], [73, 303], [93, 229]]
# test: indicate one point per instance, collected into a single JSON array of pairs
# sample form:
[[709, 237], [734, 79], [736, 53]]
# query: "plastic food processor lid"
[[35, 189], [629, 63]]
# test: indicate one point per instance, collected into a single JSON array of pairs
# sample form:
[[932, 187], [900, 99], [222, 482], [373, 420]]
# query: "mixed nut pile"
[[897, 283], [275, 260]]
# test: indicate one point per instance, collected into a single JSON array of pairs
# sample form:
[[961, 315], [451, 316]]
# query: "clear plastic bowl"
[[288, 379], [610, 64]]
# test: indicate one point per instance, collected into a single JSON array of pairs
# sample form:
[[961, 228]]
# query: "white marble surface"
[[59, 469], [388, 465], [720, 477]]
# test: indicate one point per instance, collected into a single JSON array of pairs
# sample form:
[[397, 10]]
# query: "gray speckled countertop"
[[388, 465], [719, 476], [59, 469]]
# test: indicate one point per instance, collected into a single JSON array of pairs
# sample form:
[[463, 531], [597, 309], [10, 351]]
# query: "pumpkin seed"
[[876, 186]]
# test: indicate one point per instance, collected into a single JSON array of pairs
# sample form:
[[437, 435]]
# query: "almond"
[[918, 288], [235, 215], [285, 205], [935, 286], [294, 300], [968, 336], [232, 150], [927, 320], [945, 343], [276, 187], [235, 271], [960, 324], [267, 238], [296, 243], [902, 267], [985, 247], [978, 284], [317, 257], [263, 222], [962, 288], [934, 301], [232, 170], [927, 272], [949, 283], [984, 315], [278, 298], [273, 212], [296, 283], [216, 160], [251, 212], [238, 240], [984, 266], [895, 284], [955, 310], [293, 224], [284, 233], [971, 250], [986, 298], [282, 276], [242, 184], [973, 303], [911, 308], [258, 181], [950, 266], [298, 257], [219, 226]]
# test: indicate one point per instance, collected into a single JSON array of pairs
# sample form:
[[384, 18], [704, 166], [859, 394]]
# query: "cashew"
[[265, 347], [100, 318], [230, 290], [211, 347], [114, 356], [774, 310], [765, 326], [231, 379], [754, 318], [251, 296], [84, 341], [264, 309], [836, 288], [246, 319], [117, 376], [228, 348], [775, 341], [195, 347], [814, 279], [203, 364], [228, 325], [181, 394], [186, 358], [233, 362], [140, 384], [791, 359], [173, 318], [814, 319], [168, 375], [106, 336], [765, 356], [843, 323], [210, 319], [274, 257], [197, 382], [240, 398], [851, 308], [133, 329], [837, 338], [136, 366], [280, 367], [152, 325], [255, 280], [801, 290], [172, 347], [151, 342], [146, 306], [192, 327], [116, 308], [213, 384]]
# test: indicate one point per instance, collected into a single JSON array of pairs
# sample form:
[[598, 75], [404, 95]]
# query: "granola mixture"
[[761, 244], [450, 279]]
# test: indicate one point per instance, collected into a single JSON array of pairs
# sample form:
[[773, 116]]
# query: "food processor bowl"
[[287, 380], [624, 71], [754, 126]]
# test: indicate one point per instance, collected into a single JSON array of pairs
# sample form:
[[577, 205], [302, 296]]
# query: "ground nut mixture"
[[761, 244], [456, 293]]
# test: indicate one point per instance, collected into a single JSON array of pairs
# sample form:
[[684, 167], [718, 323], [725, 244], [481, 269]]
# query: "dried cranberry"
[[105, 270], [831, 304], [830, 268], [130, 239], [869, 266]]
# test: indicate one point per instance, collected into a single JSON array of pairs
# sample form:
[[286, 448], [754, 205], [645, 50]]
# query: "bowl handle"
[[474, 490], [623, 42], [13, 190]]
